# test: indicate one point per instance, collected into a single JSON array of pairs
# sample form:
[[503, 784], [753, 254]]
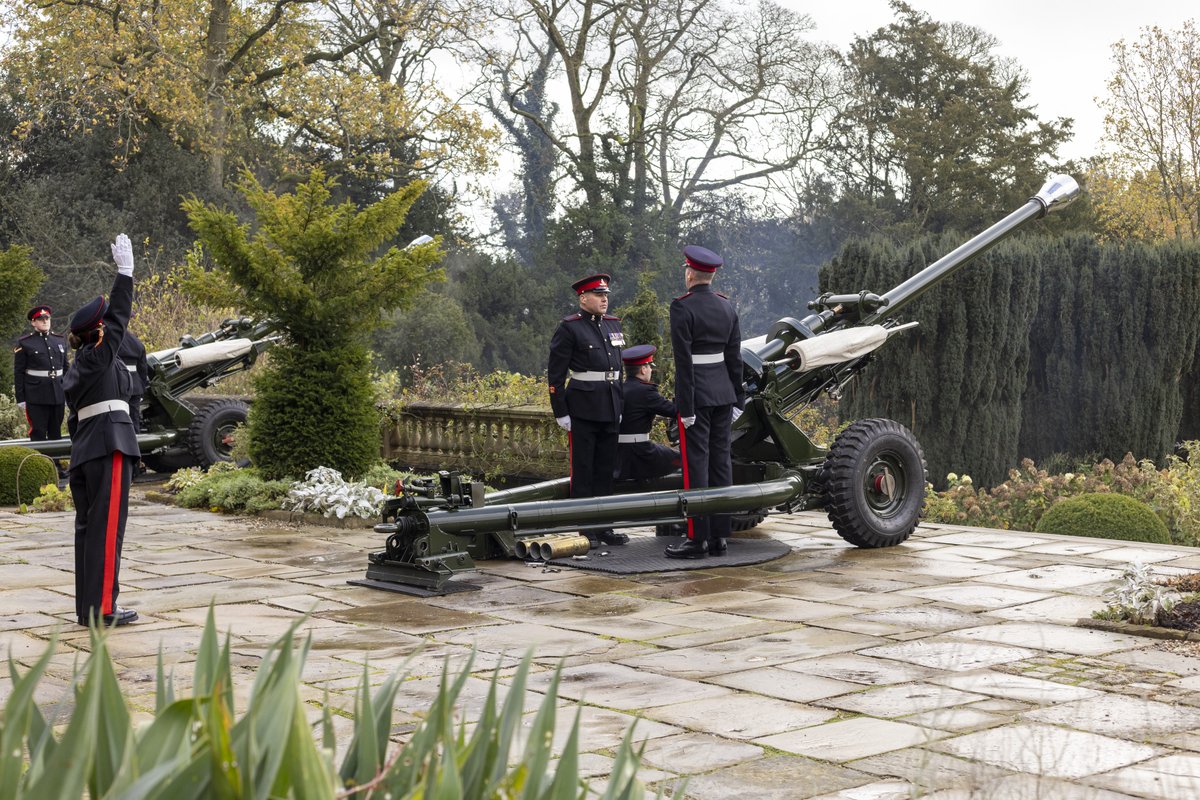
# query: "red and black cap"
[[638, 354], [701, 258], [593, 283], [89, 316], [38, 311]]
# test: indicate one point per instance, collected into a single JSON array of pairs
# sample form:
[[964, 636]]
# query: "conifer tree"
[[314, 267]]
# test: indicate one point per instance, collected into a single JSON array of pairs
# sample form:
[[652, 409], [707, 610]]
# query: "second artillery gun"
[[179, 429], [871, 480]]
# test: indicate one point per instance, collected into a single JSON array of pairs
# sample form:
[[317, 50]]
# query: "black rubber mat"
[[645, 554]]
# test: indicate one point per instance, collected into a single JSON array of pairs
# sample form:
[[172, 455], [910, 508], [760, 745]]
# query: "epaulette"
[[685, 294], [572, 317], [26, 336], [611, 317]]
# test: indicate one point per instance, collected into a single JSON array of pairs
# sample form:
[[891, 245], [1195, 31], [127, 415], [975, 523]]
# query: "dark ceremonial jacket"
[[586, 343], [133, 356], [704, 322], [642, 404], [45, 352], [98, 374], [642, 460]]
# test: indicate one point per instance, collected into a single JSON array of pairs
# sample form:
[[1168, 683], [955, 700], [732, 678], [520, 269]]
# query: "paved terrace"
[[947, 668]]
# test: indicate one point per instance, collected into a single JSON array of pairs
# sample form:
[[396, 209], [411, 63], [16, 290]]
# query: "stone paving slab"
[[946, 668]]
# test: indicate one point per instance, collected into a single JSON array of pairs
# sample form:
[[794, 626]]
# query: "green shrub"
[[23, 473], [200, 746], [315, 408], [1107, 516], [226, 488], [13, 424]]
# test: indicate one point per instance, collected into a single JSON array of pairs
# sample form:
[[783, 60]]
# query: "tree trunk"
[[216, 71]]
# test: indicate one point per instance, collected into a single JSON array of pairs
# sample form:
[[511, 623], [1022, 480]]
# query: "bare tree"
[[672, 98], [1153, 125]]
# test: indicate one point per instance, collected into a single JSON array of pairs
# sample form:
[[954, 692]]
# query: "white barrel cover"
[[836, 347], [216, 351]]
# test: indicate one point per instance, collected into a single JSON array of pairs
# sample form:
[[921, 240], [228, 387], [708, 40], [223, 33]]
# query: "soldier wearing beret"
[[638, 458], [39, 360], [104, 445], [707, 341], [584, 373]]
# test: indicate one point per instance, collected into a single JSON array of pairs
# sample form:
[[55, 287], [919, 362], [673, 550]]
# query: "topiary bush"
[[23, 473], [1107, 516]]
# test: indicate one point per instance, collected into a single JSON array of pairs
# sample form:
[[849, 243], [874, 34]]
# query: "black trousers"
[[135, 412], [641, 461], [100, 490], [707, 462], [45, 422], [593, 457]]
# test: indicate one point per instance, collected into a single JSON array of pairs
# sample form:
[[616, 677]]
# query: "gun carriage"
[[179, 429], [870, 480]]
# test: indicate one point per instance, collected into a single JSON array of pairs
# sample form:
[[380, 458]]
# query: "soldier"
[[586, 347], [638, 458], [103, 445], [707, 341], [39, 360], [133, 356]]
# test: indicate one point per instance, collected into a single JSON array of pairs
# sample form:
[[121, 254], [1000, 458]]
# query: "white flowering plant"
[[324, 491], [1137, 599]]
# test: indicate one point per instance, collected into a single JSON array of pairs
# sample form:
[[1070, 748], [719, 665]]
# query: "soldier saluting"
[[707, 339], [586, 349], [39, 360]]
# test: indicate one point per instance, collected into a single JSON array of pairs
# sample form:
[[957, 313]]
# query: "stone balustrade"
[[521, 441]]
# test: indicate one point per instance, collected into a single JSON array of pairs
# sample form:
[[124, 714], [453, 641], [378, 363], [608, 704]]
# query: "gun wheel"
[[875, 483], [210, 436], [747, 519]]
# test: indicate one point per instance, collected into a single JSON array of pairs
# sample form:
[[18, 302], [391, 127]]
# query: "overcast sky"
[[1064, 45]]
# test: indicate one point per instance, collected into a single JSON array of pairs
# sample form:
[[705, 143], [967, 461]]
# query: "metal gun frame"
[[871, 480]]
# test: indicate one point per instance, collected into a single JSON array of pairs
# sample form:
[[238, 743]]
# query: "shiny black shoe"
[[613, 537], [688, 548], [123, 616], [717, 547]]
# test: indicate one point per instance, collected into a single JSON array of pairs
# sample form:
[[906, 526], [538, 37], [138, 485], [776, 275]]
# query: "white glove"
[[564, 423], [122, 252], [21, 405], [688, 421], [737, 412]]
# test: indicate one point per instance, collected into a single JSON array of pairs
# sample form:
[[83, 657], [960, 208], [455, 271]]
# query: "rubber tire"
[[747, 519], [874, 518], [205, 436]]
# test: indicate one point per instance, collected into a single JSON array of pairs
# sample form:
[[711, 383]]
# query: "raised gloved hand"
[[688, 421], [122, 252], [21, 405], [564, 423], [737, 412]]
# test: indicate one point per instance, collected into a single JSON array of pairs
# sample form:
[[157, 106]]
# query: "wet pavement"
[[949, 667]]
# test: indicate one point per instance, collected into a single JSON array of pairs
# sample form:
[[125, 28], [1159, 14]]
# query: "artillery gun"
[[178, 430], [871, 480]]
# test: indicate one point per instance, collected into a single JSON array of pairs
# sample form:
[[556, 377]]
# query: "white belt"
[[630, 438], [43, 373], [708, 358], [103, 407], [131, 367], [611, 375]]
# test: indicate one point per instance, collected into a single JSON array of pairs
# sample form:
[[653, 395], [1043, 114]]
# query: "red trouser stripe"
[[27, 419], [570, 465], [110, 532], [687, 484]]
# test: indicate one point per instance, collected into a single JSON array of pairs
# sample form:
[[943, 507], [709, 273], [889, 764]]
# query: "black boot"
[[611, 537], [688, 548], [717, 547]]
